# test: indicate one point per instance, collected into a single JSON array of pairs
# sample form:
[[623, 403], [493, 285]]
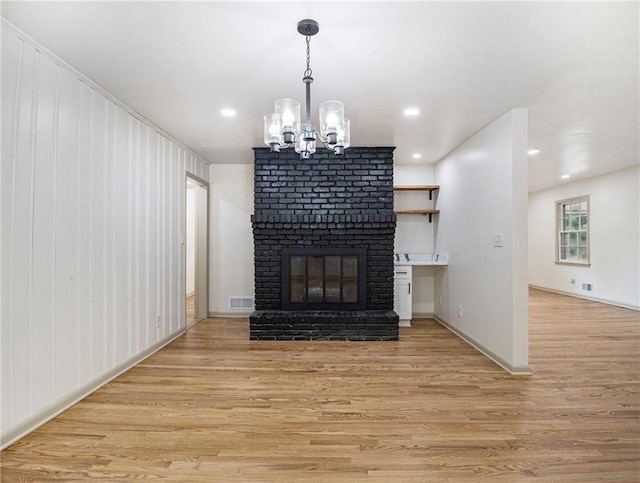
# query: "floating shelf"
[[418, 212], [425, 187]]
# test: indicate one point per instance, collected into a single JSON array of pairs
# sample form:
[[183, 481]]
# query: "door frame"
[[201, 289]]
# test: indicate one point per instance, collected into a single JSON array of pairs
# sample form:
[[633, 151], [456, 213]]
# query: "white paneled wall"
[[92, 217]]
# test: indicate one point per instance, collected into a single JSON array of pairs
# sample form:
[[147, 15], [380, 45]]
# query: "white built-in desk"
[[403, 277]]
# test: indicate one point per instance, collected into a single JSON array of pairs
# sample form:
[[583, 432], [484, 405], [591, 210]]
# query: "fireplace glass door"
[[318, 279]]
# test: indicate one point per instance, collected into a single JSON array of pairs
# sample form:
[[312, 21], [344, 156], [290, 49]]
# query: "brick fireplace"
[[323, 235]]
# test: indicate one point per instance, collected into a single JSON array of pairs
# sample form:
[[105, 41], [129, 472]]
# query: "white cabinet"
[[402, 294]]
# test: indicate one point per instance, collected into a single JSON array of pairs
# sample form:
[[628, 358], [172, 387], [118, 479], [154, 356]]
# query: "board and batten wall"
[[93, 201]]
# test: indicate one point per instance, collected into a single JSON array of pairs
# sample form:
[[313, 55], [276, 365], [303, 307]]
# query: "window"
[[573, 231]]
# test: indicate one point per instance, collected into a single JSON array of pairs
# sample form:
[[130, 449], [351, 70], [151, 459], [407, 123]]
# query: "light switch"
[[498, 240]]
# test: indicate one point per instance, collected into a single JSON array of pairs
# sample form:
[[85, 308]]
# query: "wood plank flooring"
[[190, 311], [214, 406]]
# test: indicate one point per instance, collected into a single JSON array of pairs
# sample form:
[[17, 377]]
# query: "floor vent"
[[239, 303]]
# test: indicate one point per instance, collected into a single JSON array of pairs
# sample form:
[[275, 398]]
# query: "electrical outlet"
[[573, 281], [587, 287], [460, 311], [440, 299]]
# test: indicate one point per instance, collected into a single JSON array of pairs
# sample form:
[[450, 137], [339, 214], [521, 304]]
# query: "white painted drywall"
[[231, 241], [92, 217], [191, 239], [412, 174], [414, 233], [483, 191], [202, 252], [614, 205]]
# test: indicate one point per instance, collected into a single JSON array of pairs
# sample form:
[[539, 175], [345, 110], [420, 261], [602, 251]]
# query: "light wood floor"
[[190, 311], [214, 406]]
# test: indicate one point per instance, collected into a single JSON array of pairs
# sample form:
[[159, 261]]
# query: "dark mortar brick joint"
[[324, 202]]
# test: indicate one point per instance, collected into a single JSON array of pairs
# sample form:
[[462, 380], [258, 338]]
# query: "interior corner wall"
[[231, 239], [614, 204], [92, 216], [414, 233], [482, 295]]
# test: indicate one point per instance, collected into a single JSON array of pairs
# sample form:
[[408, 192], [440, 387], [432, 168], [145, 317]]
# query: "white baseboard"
[[48, 413], [513, 370], [230, 314], [587, 297], [422, 315]]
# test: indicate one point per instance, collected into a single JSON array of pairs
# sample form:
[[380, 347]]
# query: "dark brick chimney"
[[325, 202]]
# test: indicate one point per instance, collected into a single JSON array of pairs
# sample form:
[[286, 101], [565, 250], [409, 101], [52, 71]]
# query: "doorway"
[[196, 250]]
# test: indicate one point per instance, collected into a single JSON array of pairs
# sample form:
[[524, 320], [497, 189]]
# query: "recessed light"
[[565, 176], [228, 112], [533, 152], [411, 111], [417, 156]]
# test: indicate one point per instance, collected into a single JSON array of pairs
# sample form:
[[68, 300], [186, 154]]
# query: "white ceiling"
[[573, 65]]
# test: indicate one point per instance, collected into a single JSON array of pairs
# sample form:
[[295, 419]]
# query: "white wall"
[[483, 191], [202, 251], [414, 233], [190, 247], [614, 234], [231, 242], [92, 213]]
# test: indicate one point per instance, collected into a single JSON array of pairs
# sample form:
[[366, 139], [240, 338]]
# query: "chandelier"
[[283, 129]]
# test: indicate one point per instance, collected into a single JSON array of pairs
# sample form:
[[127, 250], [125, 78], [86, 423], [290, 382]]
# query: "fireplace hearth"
[[323, 244]]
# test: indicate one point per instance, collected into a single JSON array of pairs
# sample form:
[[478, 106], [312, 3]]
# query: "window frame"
[[559, 231]]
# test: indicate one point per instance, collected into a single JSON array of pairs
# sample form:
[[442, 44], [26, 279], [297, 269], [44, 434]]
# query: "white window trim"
[[559, 204]]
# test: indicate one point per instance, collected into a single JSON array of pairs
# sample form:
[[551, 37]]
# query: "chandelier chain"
[[285, 128], [308, 71]]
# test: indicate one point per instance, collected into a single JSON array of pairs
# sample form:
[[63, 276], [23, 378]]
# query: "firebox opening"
[[324, 279]]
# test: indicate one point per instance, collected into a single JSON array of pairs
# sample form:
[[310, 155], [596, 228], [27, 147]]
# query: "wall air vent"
[[240, 303]]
